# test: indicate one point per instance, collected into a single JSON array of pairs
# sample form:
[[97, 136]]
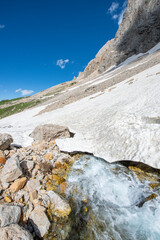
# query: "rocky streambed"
[[50, 195]]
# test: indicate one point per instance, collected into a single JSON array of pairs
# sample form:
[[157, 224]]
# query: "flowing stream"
[[113, 202]]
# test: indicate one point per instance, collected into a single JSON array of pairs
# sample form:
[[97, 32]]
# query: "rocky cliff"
[[138, 32]]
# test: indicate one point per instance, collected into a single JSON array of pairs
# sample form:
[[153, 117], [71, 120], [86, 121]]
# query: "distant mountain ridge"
[[138, 33]]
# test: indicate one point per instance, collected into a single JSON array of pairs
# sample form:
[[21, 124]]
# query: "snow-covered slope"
[[120, 123]]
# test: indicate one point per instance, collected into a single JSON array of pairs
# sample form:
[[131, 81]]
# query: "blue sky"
[[47, 42]]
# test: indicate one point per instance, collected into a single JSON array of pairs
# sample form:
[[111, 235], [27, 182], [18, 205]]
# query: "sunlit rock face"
[[138, 33]]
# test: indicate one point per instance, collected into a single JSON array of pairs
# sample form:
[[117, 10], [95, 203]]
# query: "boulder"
[[59, 206], [9, 215], [49, 132], [39, 221], [5, 141], [15, 232], [11, 170]]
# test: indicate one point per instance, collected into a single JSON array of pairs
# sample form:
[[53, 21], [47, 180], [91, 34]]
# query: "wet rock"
[[60, 207], [149, 198], [9, 215], [49, 132], [144, 175], [5, 141], [15, 232], [11, 170], [40, 221], [18, 184]]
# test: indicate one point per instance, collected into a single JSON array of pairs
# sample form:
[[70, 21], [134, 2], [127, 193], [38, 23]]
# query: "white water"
[[113, 191]]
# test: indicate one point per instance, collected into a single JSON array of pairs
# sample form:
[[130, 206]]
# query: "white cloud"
[[18, 90], [117, 12], [62, 63], [113, 7], [2, 26], [115, 16], [24, 92]]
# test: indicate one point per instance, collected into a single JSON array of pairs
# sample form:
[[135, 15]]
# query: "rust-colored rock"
[[2, 158], [49, 156], [8, 199]]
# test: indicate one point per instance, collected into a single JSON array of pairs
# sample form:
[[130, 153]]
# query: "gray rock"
[[49, 132], [21, 194], [5, 141], [14, 232], [5, 185], [33, 184], [11, 170], [40, 221], [9, 215]]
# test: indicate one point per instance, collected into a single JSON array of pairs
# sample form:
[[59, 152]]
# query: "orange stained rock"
[[8, 199], [58, 164], [55, 178], [49, 156], [2, 158]]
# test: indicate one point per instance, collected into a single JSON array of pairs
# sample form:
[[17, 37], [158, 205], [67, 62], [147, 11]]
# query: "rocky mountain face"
[[138, 32]]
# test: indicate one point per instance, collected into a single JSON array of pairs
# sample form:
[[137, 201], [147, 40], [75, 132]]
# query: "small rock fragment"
[[49, 156], [18, 184], [33, 195], [8, 199], [33, 184]]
